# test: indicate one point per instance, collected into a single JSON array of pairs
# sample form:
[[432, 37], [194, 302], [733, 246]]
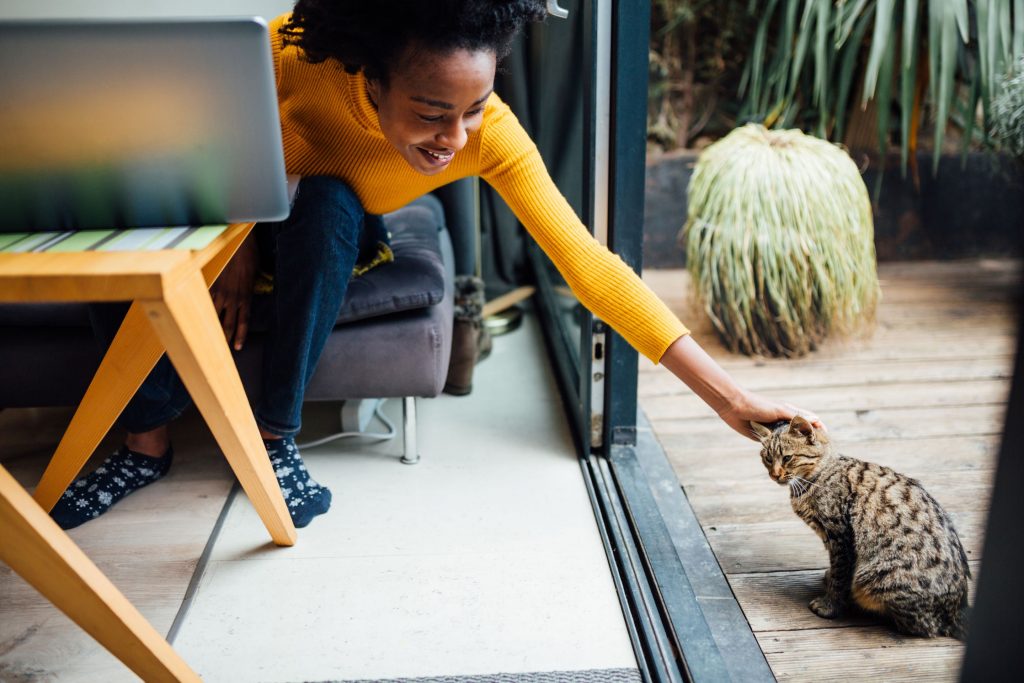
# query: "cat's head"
[[791, 451]]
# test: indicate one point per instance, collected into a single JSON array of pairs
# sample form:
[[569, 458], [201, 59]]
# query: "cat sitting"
[[892, 548]]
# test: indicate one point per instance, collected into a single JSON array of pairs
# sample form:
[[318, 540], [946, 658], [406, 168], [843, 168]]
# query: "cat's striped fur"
[[892, 548]]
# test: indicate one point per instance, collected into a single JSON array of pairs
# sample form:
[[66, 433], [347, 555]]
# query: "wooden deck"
[[924, 394]]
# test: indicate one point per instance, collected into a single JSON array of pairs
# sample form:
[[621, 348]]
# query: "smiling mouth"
[[436, 157]]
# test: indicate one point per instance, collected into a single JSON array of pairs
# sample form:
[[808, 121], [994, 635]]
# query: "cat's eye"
[[786, 459]]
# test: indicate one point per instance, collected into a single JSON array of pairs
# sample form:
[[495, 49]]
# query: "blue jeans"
[[312, 253]]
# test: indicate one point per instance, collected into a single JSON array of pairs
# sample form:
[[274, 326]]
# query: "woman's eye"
[[430, 119], [471, 114]]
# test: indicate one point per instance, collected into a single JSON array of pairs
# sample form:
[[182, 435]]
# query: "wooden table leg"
[[189, 329], [41, 553], [132, 354]]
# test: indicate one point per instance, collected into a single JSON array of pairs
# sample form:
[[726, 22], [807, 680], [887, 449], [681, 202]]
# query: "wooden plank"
[[884, 344], [824, 399], [848, 427], [746, 501], [944, 454], [675, 286], [159, 531], [936, 457], [776, 603], [924, 664], [828, 374], [45, 556], [934, 342], [791, 545], [874, 637]]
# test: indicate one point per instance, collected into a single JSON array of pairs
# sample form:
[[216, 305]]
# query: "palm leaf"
[[886, 68], [821, 54], [795, 76], [908, 82], [847, 19], [882, 41], [944, 54]]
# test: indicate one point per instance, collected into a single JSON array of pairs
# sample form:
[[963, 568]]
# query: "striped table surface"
[[134, 239]]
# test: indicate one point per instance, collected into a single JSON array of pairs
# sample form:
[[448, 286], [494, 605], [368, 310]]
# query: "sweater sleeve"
[[511, 163]]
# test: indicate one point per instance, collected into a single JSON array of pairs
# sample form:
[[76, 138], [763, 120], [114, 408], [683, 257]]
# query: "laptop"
[[127, 124]]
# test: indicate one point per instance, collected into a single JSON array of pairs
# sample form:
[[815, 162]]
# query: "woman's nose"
[[454, 136]]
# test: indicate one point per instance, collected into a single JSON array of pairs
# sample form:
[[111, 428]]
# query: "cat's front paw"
[[824, 607]]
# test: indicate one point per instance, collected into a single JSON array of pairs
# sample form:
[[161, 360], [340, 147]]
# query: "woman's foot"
[[120, 474], [304, 497]]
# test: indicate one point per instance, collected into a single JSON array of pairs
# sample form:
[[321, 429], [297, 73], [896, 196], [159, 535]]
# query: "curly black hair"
[[372, 35]]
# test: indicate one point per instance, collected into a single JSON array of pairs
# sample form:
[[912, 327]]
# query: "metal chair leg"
[[411, 455]]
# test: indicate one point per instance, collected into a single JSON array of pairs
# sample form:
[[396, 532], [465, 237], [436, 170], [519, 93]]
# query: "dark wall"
[[972, 208]]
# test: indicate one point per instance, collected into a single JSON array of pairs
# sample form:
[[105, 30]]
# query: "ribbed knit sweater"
[[330, 127]]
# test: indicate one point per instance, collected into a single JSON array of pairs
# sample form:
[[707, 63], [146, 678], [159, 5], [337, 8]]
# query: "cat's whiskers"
[[800, 486], [810, 484]]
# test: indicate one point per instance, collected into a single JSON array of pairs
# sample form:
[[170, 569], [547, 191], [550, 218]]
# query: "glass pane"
[[544, 80]]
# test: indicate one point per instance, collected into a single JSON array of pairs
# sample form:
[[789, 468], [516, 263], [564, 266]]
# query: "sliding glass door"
[[579, 85]]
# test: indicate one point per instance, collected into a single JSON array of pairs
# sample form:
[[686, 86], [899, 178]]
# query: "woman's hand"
[[747, 407], [736, 406], [232, 293]]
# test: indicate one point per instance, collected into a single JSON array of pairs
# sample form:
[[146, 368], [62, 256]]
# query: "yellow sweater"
[[330, 128]]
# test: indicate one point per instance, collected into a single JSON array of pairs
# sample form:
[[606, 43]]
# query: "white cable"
[[376, 436]]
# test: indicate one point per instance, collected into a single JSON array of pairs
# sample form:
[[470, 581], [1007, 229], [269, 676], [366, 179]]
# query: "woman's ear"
[[760, 431], [373, 91]]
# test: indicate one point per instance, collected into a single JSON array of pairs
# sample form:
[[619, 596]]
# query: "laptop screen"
[[113, 124]]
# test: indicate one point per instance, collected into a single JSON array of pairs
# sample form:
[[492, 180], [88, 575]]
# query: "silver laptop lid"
[[111, 124]]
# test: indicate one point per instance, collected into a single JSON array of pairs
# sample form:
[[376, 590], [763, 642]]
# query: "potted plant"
[[780, 242]]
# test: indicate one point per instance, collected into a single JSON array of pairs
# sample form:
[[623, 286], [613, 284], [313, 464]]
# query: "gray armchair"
[[392, 339]]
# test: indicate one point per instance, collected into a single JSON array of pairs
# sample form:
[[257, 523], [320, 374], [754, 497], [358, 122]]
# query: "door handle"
[[555, 10]]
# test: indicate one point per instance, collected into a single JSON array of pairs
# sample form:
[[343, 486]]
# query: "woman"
[[380, 103]]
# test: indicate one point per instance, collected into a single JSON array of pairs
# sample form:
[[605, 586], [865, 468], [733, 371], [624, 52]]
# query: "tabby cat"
[[892, 548]]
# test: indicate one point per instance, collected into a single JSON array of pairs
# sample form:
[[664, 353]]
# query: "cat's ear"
[[760, 431], [799, 425]]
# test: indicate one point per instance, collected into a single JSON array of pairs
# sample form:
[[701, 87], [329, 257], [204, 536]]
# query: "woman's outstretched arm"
[[735, 405]]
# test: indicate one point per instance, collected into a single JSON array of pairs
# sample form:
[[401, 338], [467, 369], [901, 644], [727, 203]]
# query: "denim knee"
[[325, 204]]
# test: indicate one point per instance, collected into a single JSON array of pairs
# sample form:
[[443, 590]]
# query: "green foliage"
[[780, 241], [810, 57], [1008, 112]]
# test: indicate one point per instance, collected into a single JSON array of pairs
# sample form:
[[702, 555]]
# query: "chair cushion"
[[415, 279]]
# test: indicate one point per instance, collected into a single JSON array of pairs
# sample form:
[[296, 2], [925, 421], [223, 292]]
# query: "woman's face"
[[431, 104]]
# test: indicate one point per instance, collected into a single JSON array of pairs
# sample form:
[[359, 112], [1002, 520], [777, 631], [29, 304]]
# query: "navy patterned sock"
[[120, 474], [304, 497]]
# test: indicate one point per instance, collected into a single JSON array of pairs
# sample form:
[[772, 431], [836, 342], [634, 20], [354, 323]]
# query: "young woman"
[[382, 102]]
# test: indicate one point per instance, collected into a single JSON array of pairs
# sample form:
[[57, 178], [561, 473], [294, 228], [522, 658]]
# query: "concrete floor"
[[482, 559]]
